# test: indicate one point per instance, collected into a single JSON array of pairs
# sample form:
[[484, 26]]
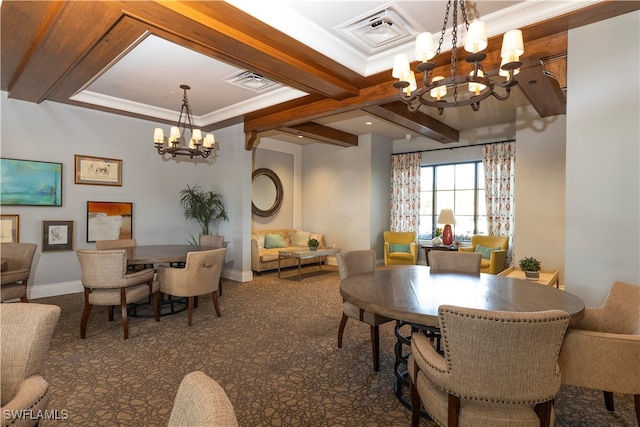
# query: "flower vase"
[[436, 241]]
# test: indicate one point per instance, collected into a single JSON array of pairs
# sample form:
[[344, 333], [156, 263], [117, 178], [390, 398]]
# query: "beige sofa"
[[266, 258]]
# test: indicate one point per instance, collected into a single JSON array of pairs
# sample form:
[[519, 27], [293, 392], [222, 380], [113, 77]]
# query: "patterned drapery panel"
[[499, 162], [405, 192]]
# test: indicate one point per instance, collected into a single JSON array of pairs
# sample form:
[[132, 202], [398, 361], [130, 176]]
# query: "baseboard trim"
[[54, 289]]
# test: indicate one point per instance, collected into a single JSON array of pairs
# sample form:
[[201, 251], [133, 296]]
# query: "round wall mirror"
[[266, 192]]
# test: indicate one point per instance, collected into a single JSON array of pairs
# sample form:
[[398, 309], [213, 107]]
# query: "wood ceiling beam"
[[545, 94], [397, 112], [322, 133]]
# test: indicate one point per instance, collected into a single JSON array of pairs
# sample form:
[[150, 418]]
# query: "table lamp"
[[446, 217]]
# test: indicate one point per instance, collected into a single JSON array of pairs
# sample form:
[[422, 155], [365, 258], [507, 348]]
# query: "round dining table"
[[412, 294]]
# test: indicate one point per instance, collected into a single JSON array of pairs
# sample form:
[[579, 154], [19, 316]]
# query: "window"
[[459, 187]]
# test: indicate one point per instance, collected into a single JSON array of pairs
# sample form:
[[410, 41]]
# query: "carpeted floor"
[[273, 351]]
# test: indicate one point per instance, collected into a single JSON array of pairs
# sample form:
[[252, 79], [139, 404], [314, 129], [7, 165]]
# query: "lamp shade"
[[476, 40], [401, 66], [425, 49], [446, 217], [512, 45]]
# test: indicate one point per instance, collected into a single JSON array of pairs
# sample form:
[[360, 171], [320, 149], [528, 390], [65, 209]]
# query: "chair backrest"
[[26, 333], [102, 268], [355, 262], [399, 237], [215, 241], [200, 401], [19, 256], [620, 313], [454, 262], [202, 270], [115, 244], [502, 357], [490, 241]]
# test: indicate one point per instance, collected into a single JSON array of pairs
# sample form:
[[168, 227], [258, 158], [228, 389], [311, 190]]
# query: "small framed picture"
[[57, 236], [9, 229], [98, 171]]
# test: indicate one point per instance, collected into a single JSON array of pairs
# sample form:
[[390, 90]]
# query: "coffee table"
[[302, 254]]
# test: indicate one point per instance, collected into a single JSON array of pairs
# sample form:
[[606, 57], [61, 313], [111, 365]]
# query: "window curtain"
[[499, 161], [405, 192]]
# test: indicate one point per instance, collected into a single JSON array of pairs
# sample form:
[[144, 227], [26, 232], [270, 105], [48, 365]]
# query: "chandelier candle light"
[[196, 147], [435, 88]]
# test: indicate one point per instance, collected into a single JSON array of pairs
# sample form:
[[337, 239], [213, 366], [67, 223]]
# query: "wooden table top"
[[155, 254], [413, 294]]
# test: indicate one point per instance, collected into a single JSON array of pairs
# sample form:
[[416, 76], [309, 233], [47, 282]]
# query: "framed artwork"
[[9, 228], [109, 221], [57, 236], [30, 183], [98, 171]]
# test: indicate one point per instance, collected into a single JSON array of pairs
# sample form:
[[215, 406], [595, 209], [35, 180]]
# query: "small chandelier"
[[176, 145], [480, 87]]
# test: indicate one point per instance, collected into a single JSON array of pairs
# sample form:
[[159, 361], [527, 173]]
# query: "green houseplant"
[[531, 267], [206, 207], [313, 244]]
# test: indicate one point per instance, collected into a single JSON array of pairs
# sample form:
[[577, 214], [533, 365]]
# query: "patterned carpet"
[[273, 351]]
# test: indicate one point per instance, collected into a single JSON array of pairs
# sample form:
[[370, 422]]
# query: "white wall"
[[603, 157], [56, 132]]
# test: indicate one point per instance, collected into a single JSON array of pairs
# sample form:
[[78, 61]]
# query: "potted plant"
[[206, 207], [437, 232], [313, 244], [531, 267]]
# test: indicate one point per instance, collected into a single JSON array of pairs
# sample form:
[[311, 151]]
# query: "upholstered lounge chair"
[[602, 351], [19, 257], [494, 262], [200, 401], [355, 262], [400, 248], [498, 369], [26, 333]]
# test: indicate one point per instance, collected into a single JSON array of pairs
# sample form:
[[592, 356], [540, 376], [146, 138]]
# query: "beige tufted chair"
[[214, 241], [602, 351], [26, 333], [355, 262], [454, 262], [19, 257], [107, 281], [200, 276], [509, 376], [201, 401]]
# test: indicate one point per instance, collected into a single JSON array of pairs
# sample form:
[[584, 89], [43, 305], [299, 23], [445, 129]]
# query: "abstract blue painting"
[[30, 183]]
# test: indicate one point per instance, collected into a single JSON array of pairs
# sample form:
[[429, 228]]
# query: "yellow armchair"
[[400, 248], [495, 263]]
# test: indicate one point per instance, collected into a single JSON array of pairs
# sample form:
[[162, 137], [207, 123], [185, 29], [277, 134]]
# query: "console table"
[[428, 248], [547, 277]]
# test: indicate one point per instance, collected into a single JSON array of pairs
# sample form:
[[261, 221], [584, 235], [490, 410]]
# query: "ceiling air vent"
[[249, 80], [383, 29]]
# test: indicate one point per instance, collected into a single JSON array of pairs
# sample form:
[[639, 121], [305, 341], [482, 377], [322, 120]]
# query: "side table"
[[428, 248], [547, 277]]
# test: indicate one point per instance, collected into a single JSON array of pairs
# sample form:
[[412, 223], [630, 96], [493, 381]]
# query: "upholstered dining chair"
[[493, 250], [25, 337], [602, 350], [200, 276], [14, 281], [200, 401], [107, 282], [454, 262], [214, 241], [400, 247], [355, 262], [508, 377]]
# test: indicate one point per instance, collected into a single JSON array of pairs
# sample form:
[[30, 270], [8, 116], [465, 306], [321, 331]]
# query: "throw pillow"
[[399, 248], [274, 241], [486, 252], [300, 238], [260, 239]]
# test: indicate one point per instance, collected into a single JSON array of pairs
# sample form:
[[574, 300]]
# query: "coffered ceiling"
[[286, 68]]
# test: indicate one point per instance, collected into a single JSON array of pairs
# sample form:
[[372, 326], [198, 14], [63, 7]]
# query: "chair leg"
[[343, 323], [543, 411], [195, 302], [453, 411], [375, 345], [415, 405], [636, 400], [608, 400], [220, 287], [110, 311], [85, 314], [156, 305], [189, 305], [214, 295], [123, 309], [24, 298]]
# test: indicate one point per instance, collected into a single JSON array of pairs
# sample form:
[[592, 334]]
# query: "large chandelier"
[[176, 143], [435, 91]]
